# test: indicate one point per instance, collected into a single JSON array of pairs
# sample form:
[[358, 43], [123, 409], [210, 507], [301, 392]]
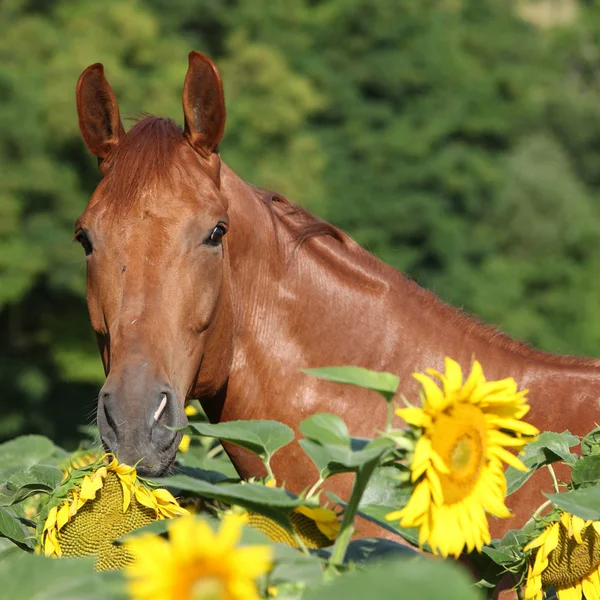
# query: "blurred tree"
[[450, 137]]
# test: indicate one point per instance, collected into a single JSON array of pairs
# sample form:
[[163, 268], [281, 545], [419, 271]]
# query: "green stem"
[[314, 488], [554, 480], [347, 526], [537, 513], [214, 451], [301, 543], [390, 416], [267, 463]]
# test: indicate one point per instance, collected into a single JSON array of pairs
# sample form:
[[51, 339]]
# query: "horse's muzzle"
[[134, 425]]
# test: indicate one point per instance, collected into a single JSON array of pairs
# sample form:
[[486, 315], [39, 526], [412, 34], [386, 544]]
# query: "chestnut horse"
[[200, 285]]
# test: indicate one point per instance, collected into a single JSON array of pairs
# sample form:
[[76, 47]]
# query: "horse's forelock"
[[143, 157]]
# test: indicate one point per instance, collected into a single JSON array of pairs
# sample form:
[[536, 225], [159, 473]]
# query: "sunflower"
[[196, 563], [566, 557], [316, 527], [457, 463], [98, 504]]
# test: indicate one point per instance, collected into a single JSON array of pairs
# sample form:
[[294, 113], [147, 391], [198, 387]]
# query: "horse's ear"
[[203, 104], [99, 119]]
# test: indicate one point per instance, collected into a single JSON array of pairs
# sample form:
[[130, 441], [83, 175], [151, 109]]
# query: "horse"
[[200, 285]]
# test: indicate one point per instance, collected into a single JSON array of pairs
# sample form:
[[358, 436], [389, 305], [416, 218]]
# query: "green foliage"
[[423, 579], [261, 437], [32, 577], [385, 384], [582, 502], [550, 447], [452, 139]]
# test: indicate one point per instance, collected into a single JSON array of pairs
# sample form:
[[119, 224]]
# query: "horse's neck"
[[327, 302]]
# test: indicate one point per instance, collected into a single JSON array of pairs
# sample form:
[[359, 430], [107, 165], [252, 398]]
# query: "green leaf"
[[333, 451], [391, 579], [289, 565], [385, 384], [584, 502], [550, 447], [12, 528], [326, 428], [26, 451], [274, 503], [587, 470], [29, 577], [590, 444], [34, 479], [508, 550], [366, 549], [318, 454], [262, 437], [203, 474], [331, 459], [376, 514]]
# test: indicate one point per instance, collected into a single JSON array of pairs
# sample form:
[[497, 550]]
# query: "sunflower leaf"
[[587, 470], [274, 503], [12, 528], [398, 577], [366, 549], [550, 447], [261, 437], [25, 577], [26, 451], [385, 384], [590, 444], [584, 502], [34, 479], [326, 428]]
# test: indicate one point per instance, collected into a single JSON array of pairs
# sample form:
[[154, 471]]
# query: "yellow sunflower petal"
[[508, 458], [454, 379], [435, 399], [474, 379], [421, 458], [62, 516], [414, 416], [571, 593]]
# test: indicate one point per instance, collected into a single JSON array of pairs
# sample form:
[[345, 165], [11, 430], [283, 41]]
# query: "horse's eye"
[[84, 240], [214, 239]]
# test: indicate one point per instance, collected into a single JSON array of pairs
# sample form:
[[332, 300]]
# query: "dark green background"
[[452, 138]]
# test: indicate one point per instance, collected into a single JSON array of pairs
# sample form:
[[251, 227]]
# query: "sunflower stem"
[[301, 544], [314, 488], [214, 451], [390, 417], [554, 480], [347, 527], [537, 513], [270, 474]]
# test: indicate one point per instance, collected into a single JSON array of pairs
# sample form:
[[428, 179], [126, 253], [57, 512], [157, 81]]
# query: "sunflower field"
[[84, 526]]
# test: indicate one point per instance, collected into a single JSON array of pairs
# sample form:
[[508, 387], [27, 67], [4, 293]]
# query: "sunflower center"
[[459, 439], [98, 522], [207, 588], [570, 561]]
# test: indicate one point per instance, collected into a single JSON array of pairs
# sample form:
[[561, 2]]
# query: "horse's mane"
[[302, 224]]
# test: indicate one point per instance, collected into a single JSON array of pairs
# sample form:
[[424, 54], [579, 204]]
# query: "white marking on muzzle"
[[161, 408]]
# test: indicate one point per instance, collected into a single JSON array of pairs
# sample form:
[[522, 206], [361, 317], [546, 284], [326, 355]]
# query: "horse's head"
[[157, 278]]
